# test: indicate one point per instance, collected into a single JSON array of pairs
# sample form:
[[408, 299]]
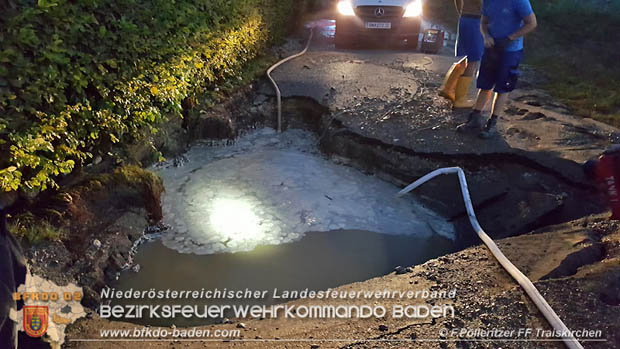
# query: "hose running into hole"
[[544, 307], [275, 85]]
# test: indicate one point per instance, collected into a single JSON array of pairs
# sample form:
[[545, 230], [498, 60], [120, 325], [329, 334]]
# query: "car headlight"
[[345, 8], [414, 9]]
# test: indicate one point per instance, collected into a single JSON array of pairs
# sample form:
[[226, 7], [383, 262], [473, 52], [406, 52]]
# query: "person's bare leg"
[[483, 98], [499, 103]]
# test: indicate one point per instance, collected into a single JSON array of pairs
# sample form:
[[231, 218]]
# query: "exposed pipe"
[[544, 307], [273, 82]]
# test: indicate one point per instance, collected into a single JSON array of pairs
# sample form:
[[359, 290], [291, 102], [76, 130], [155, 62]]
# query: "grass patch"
[[576, 47], [35, 230], [97, 200]]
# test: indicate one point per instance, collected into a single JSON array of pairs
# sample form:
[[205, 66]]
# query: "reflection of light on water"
[[266, 192], [235, 220]]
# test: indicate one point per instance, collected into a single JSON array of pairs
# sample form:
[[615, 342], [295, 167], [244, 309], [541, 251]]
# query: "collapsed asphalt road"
[[381, 87], [378, 111], [387, 99], [382, 90]]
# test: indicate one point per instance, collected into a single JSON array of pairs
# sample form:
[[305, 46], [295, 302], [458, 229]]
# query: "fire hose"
[[275, 85], [544, 307], [554, 320]]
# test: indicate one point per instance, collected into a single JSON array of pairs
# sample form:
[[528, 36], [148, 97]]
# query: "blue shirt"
[[506, 17]]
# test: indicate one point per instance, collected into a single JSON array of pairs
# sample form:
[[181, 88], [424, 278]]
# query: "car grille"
[[371, 12]]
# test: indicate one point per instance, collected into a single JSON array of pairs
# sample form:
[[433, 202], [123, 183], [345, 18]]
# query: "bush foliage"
[[78, 76]]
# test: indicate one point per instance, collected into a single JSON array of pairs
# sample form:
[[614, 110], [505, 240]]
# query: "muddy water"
[[271, 212], [319, 261], [271, 189]]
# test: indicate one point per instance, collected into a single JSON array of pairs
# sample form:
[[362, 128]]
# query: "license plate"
[[378, 25]]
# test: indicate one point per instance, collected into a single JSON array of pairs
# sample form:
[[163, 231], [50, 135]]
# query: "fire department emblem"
[[36, 319]]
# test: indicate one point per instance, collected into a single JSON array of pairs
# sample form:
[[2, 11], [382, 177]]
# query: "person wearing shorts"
[[469, 43], [503, 25]]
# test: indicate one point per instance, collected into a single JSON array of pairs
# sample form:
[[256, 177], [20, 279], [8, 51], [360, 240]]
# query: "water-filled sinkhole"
[[271, 212]]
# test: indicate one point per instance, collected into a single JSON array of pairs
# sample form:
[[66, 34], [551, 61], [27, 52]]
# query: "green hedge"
[[78, 76]]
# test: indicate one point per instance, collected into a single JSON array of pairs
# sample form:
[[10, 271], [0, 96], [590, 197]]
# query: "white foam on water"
[[273, 188]]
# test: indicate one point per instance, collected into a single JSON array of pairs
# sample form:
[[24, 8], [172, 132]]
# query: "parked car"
[[395, 21]]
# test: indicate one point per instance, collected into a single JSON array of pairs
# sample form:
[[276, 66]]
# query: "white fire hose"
[[544, 307], [273, 82]]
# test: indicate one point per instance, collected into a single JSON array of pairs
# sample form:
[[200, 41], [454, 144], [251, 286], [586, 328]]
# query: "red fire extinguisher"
[[606, 172]]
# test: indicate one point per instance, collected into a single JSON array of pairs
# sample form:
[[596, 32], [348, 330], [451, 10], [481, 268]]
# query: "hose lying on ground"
[[273, 82], [544, 307]]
